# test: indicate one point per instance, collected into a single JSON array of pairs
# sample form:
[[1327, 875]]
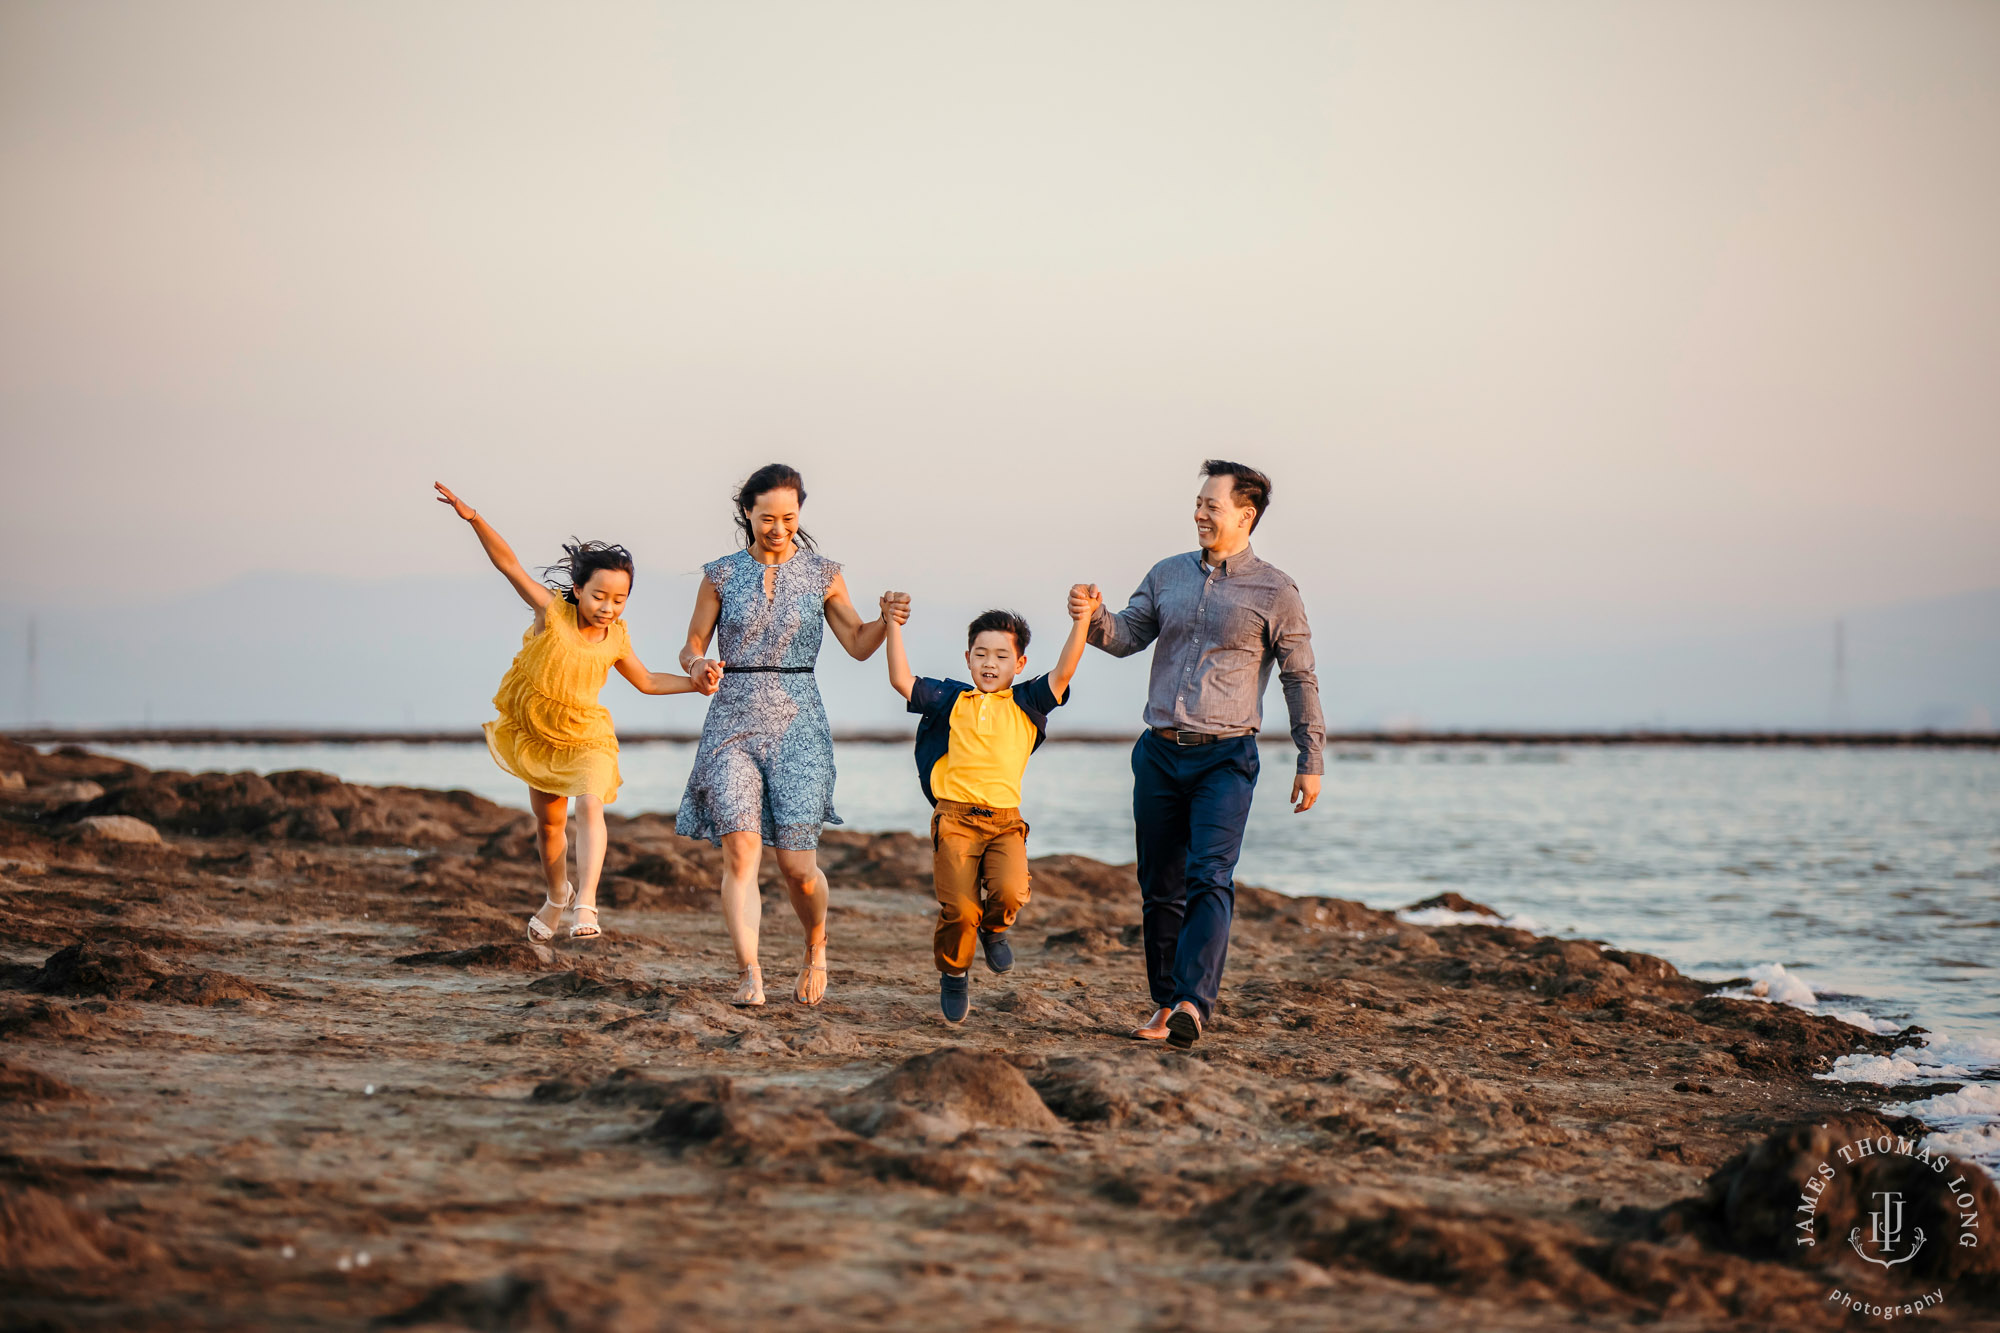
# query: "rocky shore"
[[274, 1052]]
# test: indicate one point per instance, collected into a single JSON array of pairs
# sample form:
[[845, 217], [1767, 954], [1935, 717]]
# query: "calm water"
[[1872, 876]]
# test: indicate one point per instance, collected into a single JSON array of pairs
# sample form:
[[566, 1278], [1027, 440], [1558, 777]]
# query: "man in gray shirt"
[[1222, 618]]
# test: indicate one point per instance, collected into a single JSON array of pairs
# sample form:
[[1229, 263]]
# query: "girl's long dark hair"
[[770, 477], [580, 560]]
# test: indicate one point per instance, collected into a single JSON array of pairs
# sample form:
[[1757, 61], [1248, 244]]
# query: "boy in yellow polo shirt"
[[972, 747]]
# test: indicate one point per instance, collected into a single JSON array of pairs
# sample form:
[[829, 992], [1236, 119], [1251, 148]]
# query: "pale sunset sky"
[[1553, 322]]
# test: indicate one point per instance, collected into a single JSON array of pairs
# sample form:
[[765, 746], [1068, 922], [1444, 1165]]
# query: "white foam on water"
[[1974, 1143], [1771, 983], [1448, 916], [1889, 1070], [1966, 1123], [1970, 1102], [1937, 1055]]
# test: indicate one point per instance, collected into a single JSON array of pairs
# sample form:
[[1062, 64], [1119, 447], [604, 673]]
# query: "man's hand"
[[1305, 792], [1084, 599], [895, 606]]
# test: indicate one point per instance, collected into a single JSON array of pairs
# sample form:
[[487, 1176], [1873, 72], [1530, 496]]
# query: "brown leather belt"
[[1174, 737]]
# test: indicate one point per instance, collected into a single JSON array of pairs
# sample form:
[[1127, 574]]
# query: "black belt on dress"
[[728, 670]]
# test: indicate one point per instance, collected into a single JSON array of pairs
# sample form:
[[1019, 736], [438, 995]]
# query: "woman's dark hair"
[[1004, 622], [581, 560], [1247, 485], [770, 477]]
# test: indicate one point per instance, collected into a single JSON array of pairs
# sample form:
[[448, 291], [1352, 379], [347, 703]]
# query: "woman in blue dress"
[[763, 776]]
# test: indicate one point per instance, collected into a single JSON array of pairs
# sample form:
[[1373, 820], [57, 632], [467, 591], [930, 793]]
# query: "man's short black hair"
[[1251, 487], [1004, 622]]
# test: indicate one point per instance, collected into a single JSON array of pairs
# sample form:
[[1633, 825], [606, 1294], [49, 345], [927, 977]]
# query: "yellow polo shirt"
[[991, 740]]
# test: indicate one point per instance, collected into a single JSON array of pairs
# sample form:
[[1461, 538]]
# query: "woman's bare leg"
[[806, 883], [552, 843], [742, 908]]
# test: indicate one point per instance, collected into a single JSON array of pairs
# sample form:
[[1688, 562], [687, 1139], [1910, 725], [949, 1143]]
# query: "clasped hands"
[[1084, 600]]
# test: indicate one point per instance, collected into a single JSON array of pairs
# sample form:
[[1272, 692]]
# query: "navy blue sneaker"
[[954, 996], [999, 953]]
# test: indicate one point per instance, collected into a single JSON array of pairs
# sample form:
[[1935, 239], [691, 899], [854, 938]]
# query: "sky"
[[1560, 327]]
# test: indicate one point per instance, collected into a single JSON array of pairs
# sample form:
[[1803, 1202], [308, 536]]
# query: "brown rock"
[[121, 972], [114, 828], [949, 1090], [39, 1232], [518, 956], [20, 1084]]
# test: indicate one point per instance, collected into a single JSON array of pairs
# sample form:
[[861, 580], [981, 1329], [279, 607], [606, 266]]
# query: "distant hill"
[[1929, 664], [290, 649]]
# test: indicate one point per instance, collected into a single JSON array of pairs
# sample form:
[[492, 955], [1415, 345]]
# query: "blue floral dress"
[[766, 759]]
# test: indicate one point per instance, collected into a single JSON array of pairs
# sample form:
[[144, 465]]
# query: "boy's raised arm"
[[1083, 606], [895, 610]]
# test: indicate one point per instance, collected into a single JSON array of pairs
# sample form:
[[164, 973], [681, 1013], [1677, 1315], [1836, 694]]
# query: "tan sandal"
[[540, 932], [803, 990]]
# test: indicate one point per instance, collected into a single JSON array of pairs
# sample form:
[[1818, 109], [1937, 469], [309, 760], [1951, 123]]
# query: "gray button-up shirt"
[[1219, 631]]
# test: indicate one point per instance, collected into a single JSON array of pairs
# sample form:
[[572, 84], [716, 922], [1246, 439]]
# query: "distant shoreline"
[[1940, 740]]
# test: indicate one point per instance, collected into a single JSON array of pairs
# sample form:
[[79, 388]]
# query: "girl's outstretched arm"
[[1072, 649], [499, 552], [901, 678], [858, 638], [655, 682]]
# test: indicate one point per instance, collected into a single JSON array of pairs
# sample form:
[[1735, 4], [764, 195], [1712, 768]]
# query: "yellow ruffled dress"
[[552, 733]]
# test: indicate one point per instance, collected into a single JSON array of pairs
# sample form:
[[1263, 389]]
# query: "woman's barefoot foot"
[[749, 987], [811, 986]]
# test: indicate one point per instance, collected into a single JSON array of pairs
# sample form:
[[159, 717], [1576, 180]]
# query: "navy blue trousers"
[[1190, 803]]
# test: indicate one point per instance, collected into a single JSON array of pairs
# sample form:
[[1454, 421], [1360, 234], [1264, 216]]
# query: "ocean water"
[[1859, 882]]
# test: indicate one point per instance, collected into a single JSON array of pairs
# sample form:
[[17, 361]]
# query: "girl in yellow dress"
[[552, 733]]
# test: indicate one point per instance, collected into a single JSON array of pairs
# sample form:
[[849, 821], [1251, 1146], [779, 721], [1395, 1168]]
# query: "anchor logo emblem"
[[1885, 1233]]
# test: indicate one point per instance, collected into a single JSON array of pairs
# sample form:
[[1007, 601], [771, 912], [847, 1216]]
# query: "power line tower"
[[1837, 712], [31, 702]]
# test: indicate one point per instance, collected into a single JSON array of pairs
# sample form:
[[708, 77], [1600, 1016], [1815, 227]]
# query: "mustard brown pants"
[[973, 849]]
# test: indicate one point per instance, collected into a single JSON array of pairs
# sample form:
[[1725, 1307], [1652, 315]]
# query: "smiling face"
[[774, 522], [1221, 525], [994, 661], [601, 599]]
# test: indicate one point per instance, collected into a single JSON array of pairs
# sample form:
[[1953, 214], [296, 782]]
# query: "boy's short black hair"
[[1004, 622], [1247, 485]]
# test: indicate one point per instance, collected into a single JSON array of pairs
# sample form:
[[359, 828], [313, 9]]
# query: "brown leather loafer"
[[1155, 1029], [1183, 1026]]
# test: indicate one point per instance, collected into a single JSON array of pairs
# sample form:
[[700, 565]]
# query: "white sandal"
[[585, 930], [749, 987], [538, 931]]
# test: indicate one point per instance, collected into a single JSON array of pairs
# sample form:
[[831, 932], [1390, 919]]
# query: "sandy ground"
[[294, 1065]]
